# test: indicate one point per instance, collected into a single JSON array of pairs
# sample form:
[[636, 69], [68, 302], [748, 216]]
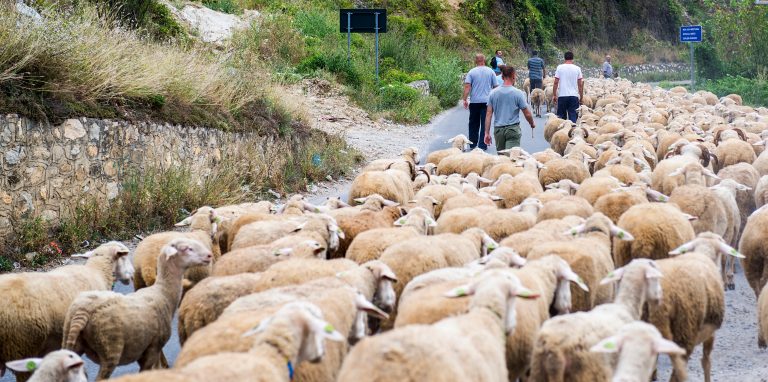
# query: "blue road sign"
[[690, 33]]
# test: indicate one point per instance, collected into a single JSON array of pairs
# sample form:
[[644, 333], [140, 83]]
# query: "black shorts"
[[536, 84]]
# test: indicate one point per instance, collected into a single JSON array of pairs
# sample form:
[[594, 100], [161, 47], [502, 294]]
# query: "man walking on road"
[[497, 62], [478, 85], [504, 106], [568, 90], [607, 67], [536, 70]]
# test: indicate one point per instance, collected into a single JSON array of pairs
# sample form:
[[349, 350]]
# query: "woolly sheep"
[[442, 351], [567, 206], [542, 232], [752, 245], [343, 307], [294, 334], [392, 184], [745, 174], [762, 318], [470, 197], [563, 343], [415, 256], [497, 223], [202, 228], [353, 225], [732, 148], [259, 258], [36, 303], [516, 189], [657, 228], [548, 276], [635, 362], [56, 366], [406, 163], [440, 193], [459, 144], [761, 192], [572, 168], [537, 98], [617, 202], [476, 161], [103, 324], [265, 232], [592, 189], [369, 245]]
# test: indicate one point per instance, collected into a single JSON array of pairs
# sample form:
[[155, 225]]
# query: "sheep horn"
[[717, 137], [425, 172], [570, 132], [741, 133], [705, 155]]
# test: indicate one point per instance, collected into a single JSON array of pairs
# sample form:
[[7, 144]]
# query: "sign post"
[[363, 21], [691, 34]]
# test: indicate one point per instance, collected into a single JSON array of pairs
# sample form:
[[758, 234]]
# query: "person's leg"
[[498, 136], [536, 84], [474, 124], [513, 136], [562, 108], [573, 104], [481, 141]]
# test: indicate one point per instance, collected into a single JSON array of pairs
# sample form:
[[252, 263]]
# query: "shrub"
[[418, 111], [395, 75], [226, 6], [753, 91], [444, 75], [396, 95], [315, 23]]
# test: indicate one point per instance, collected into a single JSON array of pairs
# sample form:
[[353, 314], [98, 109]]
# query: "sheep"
[[497, 223], [415, 256], [103, 324], [353, 225], [374, 280], [537, 98], [761, 163], [562, 348], [693, 307], [322, 227], [572, 167], [635, 362], [441, 351], [343, 306], [392, 184], [697, 200], [657, 228], [424, 177], [542, 232], [619, 200], [459, 144], [202, 305], [569, 205], [733, 148], [516, 189], [56, 366], [470, 197], [283, 341], [259, 258], [476, 161], [761, 192], [726, 191], [35, 303], [714, 247], [202, 228], [745, 174], [752, 245], [553, 125], [592, 189], [548, 276], [369, 245], [406, 163], [589, 256], [762, 318]]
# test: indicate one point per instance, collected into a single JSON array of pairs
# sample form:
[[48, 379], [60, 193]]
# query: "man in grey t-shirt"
[[478, 85], [607, 67], [504, 106]]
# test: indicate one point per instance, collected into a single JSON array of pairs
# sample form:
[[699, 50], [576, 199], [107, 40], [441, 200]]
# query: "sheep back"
[[658, 228]]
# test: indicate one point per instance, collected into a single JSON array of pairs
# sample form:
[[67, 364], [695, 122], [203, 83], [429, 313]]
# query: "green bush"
[[418, 111], [753, 91], [315, 24], [395, 96], [226, 6], [444, 75], [395, 75], [335, 63]]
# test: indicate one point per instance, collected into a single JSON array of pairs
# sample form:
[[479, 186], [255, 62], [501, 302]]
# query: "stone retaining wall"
[[47, 169]]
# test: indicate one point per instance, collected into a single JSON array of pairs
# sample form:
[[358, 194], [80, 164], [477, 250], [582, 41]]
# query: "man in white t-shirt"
[[568, 90]]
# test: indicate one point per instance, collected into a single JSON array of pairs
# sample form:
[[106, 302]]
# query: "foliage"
[[226, 6], [753, 91]]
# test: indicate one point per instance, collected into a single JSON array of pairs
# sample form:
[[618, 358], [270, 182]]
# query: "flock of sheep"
[[583, 262]]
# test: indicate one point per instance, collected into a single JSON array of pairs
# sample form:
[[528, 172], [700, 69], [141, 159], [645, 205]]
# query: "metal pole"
[[349, 38], [692, 79], [377, 47]]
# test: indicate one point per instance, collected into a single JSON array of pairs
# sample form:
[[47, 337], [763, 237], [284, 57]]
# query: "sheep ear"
[[523, 292], [571, 276], [609, 345], [742, 187], [325, 330], [299, 227], [613, 276], [687, 247], [484, 180], [464, 290], [495, 198], [678, 171], [621, 234], [710, 174], [401, 222], [259, 328], [366, 306], [575, 230], [390, 203], [26, 365], [283, 252], [187, 221], [726, 249], [311, 207], [690, 217], [338, 231], [656, 196], [86, 255], [653, 273], [360, 200], [169, 251], [661, 345]]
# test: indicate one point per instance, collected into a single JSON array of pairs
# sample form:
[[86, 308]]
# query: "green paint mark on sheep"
[[31, 366], [620, 235], [329, 328]]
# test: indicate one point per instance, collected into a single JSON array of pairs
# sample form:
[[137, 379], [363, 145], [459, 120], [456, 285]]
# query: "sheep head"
[[117, 252], [383, 276], [643, 273], [187, 252], [66, 365]]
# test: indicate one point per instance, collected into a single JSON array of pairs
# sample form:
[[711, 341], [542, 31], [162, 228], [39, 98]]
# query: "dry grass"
[[78, 58]]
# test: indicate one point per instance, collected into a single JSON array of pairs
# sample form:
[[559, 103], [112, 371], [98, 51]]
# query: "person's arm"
[[543, 72], [467, 88], [488, 117], [554, 90], [529, 117], [581, 90]]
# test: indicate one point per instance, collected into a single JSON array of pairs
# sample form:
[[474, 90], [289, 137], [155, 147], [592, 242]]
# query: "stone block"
[[15, 156], [73, 129], [34, 175], [94, 132], [92, 150]]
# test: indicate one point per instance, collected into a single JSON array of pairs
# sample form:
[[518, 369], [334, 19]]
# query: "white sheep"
[[259, 258], [443, 351], [104, 324], [392, 184], [752, 245], [36, 303], [56, 366], [657, 228], [459, 144], [762, 318], [369, 245]]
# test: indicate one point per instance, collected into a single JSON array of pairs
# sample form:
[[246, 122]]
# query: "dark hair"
[[568, 55], [534, 52], [497, 51], [507, 71]]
